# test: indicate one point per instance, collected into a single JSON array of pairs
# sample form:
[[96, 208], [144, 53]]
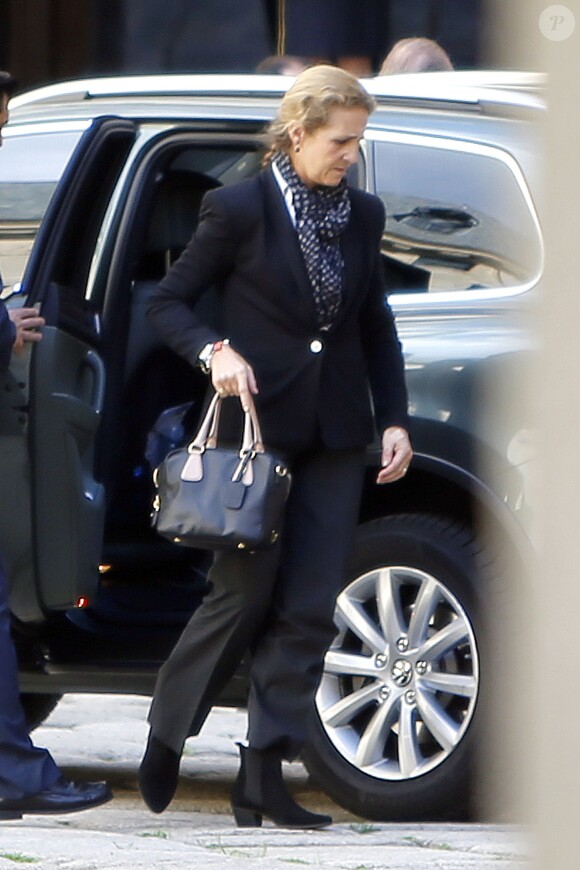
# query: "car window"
[[458, 217], [30, 167], [225, 165]]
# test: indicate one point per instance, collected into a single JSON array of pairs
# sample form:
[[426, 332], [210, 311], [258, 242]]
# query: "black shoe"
[[158, 774], [62, 797], [259, 791]]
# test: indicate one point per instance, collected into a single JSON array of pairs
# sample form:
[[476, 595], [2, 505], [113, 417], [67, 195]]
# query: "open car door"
[[52, 510]]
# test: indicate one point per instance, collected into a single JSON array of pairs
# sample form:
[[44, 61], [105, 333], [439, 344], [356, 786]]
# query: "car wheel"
[[397, 705], [37, 708]]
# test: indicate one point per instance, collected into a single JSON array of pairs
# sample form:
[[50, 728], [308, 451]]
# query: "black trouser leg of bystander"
[[24, 768]]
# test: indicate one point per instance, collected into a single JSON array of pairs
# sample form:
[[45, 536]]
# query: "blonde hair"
[[315, 93]]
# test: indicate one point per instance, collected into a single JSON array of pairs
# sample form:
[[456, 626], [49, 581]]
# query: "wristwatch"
[[205, 355]]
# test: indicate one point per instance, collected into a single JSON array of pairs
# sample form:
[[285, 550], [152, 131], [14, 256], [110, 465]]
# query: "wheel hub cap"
[[402, 673]]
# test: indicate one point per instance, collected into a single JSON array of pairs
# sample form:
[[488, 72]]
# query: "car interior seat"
[[155, 378]]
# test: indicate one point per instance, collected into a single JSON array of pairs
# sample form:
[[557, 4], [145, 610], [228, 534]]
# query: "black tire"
[[447, 552], [37, 708]]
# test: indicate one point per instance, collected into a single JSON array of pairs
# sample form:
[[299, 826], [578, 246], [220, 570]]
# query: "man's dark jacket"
[[247, 247], [7, 335]]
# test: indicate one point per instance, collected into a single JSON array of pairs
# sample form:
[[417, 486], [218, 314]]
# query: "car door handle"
[[439, 220], [94, 362]]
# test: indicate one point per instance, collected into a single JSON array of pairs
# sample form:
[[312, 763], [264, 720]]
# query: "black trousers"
[[24, 768], [277, 604]]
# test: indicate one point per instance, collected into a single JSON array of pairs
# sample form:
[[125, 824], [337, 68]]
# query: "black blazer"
[[247, 246]]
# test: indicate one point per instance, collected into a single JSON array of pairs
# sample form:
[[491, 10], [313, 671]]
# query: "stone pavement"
[[97, 736]]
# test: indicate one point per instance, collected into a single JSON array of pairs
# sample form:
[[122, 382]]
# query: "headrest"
[[176, 209]]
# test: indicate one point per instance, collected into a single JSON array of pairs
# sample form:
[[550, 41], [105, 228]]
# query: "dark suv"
[[100, 185]]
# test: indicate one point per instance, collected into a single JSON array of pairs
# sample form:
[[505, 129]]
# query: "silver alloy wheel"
[[400, 680]]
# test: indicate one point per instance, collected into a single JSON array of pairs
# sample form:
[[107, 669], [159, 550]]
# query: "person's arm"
[[7, 336], [205, 262], [386, 371], [385, 364]]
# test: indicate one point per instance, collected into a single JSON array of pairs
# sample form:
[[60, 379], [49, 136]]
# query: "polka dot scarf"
[[322, 214]]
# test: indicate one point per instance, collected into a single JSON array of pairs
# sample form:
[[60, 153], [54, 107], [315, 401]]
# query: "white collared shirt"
[[286, 192]]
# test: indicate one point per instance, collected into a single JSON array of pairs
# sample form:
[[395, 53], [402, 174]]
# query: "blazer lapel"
[[351, 247], [287, 244]]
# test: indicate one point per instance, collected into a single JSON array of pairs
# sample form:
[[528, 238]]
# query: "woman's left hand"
[[396, 455]]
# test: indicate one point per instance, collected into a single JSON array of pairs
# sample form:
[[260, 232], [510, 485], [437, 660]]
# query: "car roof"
[[469, 89]]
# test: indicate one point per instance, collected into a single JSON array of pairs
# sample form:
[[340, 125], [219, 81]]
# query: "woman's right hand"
[[231, 375]]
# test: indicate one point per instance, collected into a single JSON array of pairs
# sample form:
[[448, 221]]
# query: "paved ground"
[[100, 737]]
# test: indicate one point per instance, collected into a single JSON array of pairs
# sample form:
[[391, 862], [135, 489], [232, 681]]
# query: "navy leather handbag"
[[216, 497]]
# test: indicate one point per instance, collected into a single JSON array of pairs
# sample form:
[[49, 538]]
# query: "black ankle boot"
[[158, 774], [259, 791]]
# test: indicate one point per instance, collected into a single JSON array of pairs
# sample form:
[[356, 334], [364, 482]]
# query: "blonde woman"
[[295, 254]]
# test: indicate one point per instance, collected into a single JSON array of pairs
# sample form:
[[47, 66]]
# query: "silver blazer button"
[[315, 345]]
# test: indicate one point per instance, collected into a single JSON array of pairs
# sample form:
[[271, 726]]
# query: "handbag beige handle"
[[207, 433], [252, 438], [206, 437]]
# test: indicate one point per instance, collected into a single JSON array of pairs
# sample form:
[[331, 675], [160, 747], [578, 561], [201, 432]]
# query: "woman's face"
[[326, 153]]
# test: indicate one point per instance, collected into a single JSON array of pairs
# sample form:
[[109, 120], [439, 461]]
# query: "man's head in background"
[[7, 87], [416, 54]]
